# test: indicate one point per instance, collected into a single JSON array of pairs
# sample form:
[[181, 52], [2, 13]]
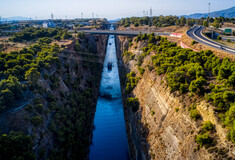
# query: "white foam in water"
[[109, 141]]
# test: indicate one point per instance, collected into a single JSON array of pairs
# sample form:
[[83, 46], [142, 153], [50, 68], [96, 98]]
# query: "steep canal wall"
[[109, 139], [161, 127]]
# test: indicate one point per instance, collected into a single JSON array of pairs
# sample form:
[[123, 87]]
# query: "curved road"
[[196, 34]]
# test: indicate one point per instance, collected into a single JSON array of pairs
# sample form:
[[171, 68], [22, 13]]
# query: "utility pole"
[[82, 15], [93, 15], [209, 14], [143, 13], [150, 19], [52, 16]]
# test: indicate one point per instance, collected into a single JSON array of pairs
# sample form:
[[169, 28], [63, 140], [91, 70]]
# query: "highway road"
[[196, 34], [125, 33]]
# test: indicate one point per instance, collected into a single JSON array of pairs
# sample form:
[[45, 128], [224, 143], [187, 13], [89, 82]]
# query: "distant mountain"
[[114, 20], [16, 18], [229, 13]]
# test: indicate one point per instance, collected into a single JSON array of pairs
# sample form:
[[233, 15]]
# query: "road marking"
[[215, 45]]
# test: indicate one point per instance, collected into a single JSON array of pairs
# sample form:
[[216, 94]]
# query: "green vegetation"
[[141, 70], [177, 109], [207, 126], [31, 34], [229, 40], [36, 120], [203, 139], [21, 66], [189, 71], [193, 42], [152, 113], [16, 146], [129, 56], [131, 81], [71, 114], [194, 114], [219, 38], [160, 21], [133, 103]]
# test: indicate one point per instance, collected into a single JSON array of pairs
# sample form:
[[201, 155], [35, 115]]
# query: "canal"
[[109, 141]]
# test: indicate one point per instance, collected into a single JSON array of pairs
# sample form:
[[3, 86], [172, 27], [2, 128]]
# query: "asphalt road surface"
[[196, 34]]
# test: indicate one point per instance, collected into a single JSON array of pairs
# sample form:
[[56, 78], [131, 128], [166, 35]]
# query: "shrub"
[[17, 146], [136, 24], [194, 114], [193, 42], [177, 109], [36, 120], [141, 70], [133, 103], [152, 113], [229, 40], [46, 40], [203, 139], [196, 86], [219, 38], [207, 126]]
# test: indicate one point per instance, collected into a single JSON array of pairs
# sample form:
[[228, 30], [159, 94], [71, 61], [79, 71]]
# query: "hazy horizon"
[[106, 9]]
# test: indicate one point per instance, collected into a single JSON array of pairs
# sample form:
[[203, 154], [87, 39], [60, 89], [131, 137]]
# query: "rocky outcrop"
[[72, 75], [162, 128]]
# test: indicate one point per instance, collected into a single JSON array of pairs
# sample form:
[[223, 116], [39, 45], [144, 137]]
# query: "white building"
[[48, 24]]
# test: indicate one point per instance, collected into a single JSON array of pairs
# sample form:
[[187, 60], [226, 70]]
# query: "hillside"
[[229, 13], [176, 104]]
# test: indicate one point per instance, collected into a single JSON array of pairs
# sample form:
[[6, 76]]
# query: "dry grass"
[[63, 42], [199, 46], [12, 46], [229, 44], [228, 25]]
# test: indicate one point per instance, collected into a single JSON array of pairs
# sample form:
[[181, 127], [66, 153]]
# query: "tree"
[[216, 23], [136, 24], [189, 22], [7, 95], [205, 24], [203, 139], [16, 146], [32, 75], [182, 21], [45, 40]]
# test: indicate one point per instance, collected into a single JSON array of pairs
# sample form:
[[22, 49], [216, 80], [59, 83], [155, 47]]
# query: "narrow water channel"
[[109, 141]]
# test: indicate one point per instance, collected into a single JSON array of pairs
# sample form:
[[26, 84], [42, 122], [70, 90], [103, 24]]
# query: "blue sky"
[[110, 9]]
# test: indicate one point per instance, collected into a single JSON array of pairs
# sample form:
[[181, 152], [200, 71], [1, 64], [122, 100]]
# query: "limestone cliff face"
[[162, 124], [72, 75]]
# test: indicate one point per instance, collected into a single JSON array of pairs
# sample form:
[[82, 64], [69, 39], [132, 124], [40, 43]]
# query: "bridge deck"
[[118, 32]]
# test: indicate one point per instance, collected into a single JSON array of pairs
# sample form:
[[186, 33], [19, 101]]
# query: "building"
[[49, 24]]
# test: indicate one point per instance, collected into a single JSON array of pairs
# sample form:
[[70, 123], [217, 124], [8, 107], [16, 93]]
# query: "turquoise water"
[[109, 141]]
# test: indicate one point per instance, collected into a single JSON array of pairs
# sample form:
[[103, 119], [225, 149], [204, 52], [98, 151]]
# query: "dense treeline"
[[32, 33], [164, 21], [188, 71], [71, 113], [72, 121], [16, 67], [16, 146]]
